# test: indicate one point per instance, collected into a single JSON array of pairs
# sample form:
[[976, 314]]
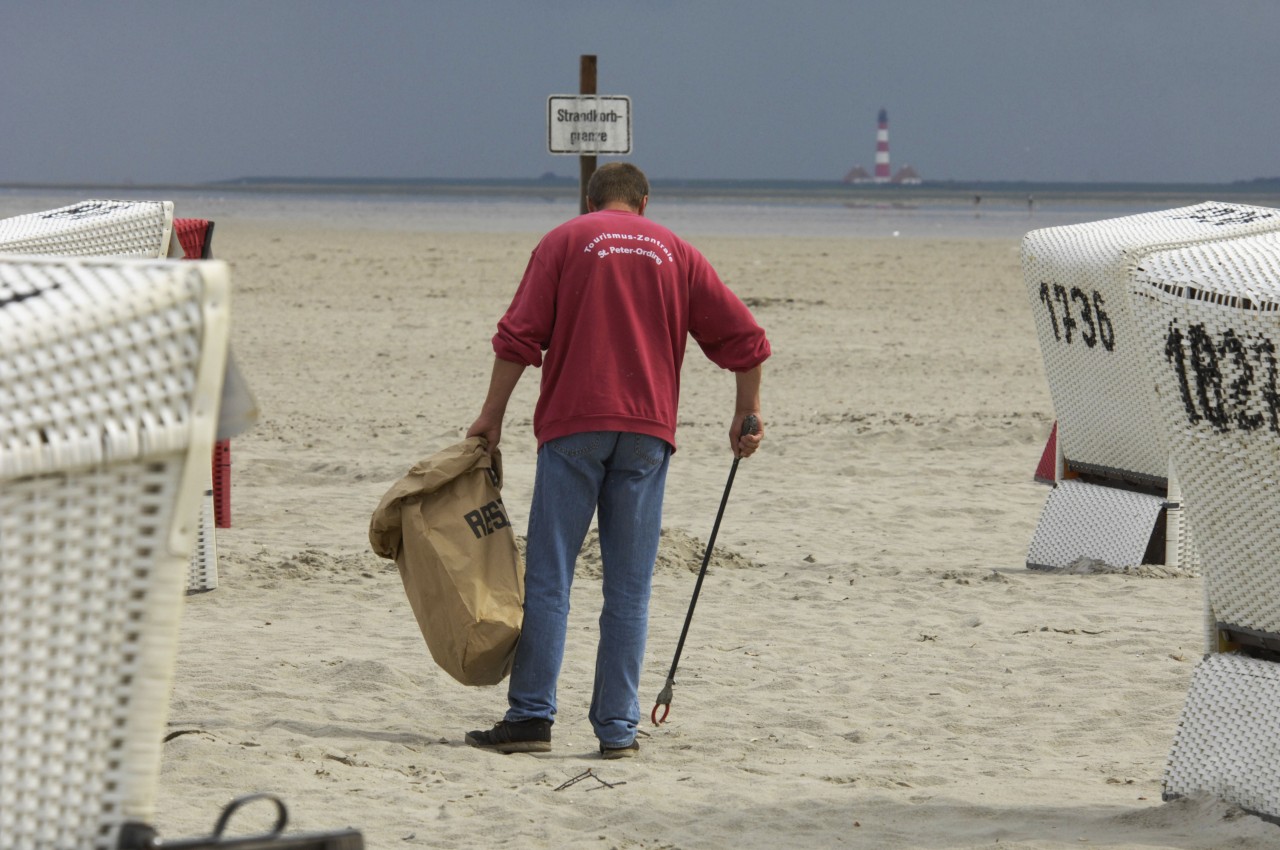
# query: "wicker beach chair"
[[92, 228], [1114, 498], [110, 374], [1209, 318], [143, 229]]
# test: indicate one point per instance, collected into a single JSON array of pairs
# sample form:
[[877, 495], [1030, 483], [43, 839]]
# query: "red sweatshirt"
[[611, 298]]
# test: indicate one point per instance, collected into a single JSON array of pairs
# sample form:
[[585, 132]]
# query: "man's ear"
[[591, 207], [644, 202]]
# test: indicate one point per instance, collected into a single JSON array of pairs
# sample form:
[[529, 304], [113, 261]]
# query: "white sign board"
[[588, 124]]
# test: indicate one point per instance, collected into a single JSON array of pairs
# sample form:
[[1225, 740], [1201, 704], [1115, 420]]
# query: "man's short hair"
[[617, 181]]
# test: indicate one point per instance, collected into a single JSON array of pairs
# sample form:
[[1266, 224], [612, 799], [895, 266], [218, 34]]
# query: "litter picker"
[[749, 426]]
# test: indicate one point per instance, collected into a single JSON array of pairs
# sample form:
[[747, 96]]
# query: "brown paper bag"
[[445, 526]]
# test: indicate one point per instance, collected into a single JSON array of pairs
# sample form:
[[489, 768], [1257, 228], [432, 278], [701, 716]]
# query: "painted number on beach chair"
[[1221, 216], [1198, 364], [88, 209], [1094, 325]]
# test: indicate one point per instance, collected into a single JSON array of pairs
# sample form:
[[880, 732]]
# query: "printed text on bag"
[[487, 519]]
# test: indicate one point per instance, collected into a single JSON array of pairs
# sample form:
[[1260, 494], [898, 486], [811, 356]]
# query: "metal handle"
[[282, 814]]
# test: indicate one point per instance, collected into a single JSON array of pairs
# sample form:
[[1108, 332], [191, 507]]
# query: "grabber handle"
[[750, 425]]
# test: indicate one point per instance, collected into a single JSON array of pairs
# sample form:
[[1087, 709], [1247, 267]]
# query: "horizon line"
[[551, 180]]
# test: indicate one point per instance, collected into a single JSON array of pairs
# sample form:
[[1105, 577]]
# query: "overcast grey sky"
[[1074, 90]]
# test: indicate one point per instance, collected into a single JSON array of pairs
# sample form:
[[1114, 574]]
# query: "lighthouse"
[[882, 173], [882, 148]]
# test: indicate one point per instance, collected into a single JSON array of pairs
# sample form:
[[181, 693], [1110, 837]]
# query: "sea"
[[947, 210]]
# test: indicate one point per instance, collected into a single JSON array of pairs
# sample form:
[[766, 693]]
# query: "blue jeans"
[[623, 476]]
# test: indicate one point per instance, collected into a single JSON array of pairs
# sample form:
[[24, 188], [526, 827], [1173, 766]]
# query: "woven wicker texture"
[[92, 228], [110, 374], [202, 571], [1082, 520], [1077, 278], [193, 236], [116, 228], [1178, 538], [1210, 316], [1228, 740], [222, 483]]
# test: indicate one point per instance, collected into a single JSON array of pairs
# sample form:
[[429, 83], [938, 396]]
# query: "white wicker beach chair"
[[1208, 316], [1111, 446], [92, 228], [110, 375], [124, 229]]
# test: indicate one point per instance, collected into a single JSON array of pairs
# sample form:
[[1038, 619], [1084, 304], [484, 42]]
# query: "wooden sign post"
[[586, 164], [588, 124]]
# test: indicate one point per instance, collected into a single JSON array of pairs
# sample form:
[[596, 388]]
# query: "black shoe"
[[626, 752], [520, 736]]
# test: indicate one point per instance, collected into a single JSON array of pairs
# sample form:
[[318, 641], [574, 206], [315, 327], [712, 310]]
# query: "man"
[[611, 298]]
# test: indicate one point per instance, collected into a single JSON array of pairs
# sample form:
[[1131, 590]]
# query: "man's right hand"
[[745, 445]]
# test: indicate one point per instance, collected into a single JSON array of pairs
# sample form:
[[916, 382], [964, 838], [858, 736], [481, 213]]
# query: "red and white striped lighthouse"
[[882, 149]]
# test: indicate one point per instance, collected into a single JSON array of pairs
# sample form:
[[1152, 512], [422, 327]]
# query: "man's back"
[[612, 297]]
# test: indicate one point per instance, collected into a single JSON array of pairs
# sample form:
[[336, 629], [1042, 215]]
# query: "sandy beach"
[[870, 664]]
